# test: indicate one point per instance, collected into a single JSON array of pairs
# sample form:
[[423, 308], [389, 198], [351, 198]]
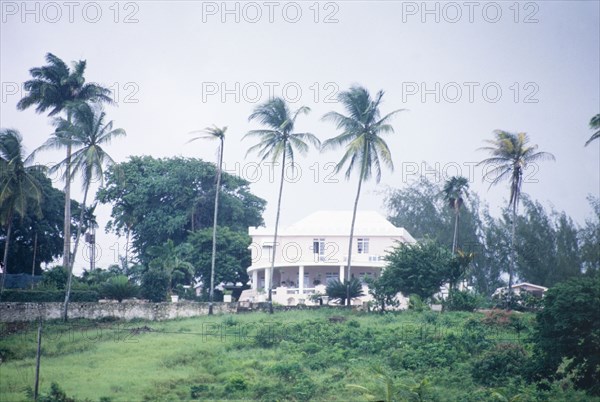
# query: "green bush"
[[47, 296], [416, 303], [496, 366], [119, 288], [461, 301], [236, 383], [56, 395], [155, 284], [337, 290]]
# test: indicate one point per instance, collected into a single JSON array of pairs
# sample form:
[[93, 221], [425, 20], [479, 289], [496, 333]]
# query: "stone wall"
[[128, 310], [11, 312]]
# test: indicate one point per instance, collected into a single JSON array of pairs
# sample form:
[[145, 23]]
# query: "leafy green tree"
[[215, 133], [337, 290], [455, 189], [46, 228], [118, 288], [279, 141], [232, 256], [19, 187], [568, 332], [594, 125], [511, 154], [419, 269], [365, 149], [55, 277], [383, 293], [151, 198], [55, 86], [590, 238], [88, 134]]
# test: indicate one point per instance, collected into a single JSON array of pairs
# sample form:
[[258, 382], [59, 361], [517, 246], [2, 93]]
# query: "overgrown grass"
[[292, 356]]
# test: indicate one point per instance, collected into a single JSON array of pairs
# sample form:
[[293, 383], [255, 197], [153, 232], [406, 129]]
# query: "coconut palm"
[[365, 150], [87, 134], [19, 189], [454, 190], [594, 125], [511, 153], [279, 141], [53, 87], [219, 134]]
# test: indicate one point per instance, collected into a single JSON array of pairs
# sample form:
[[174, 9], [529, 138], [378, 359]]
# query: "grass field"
[[322, 355]]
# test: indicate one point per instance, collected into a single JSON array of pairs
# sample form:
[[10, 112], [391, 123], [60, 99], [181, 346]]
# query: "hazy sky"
[[462, 69]]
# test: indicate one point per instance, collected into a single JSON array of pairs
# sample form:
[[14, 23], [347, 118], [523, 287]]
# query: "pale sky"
[[462, 70]]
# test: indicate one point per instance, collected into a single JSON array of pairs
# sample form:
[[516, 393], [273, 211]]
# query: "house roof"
[[337, 223], [522, 285]]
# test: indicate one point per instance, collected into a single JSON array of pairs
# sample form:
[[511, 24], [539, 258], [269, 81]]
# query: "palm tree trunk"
[[72, 262], [127, 251], [214, 234], [34, 256], [455, 239], [349, 267], [513, 262], [5, 259], [67, 222], [276, 230]]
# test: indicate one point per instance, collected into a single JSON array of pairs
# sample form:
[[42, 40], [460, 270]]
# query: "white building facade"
[[313, 252]]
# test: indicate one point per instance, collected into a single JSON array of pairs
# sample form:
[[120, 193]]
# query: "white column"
[[342, 276], [255, 279], [267, 279], [301, 279]]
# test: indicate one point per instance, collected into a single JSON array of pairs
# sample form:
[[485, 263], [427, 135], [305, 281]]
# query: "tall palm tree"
[[454, 190], [213, 133], [594, 125], [511, 153], [53, 87], [88, 133], [279, 141], [19, 189], [365, 150]]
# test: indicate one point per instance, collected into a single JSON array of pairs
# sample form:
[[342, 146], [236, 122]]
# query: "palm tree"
[[594, 125], [365, 150], [168, 257], [88, 133], [279, 140], [19, 189], [214, 133], [511, 153], [455, 188], [55, 86]]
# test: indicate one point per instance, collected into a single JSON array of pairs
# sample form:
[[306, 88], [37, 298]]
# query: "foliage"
[[498, 365], [155, 285], [383, 294], [56, 395], [320, 358], [48, 227], [42, 296], [461, 300], [417, 269], [416, 303], [162, 199], [337, 290], [119, 288], [170, 259], [568, 331], [232, 258], [590, 238], [55, 277]]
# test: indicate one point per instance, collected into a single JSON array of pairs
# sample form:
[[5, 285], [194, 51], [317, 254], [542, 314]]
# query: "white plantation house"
[[314, 251]]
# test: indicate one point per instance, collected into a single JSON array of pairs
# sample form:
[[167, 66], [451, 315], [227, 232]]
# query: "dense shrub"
[[119, 288], [337, 290], [461, 301], [56, 395], [46, 296], [568, 332], [496, 366], [155, 284]]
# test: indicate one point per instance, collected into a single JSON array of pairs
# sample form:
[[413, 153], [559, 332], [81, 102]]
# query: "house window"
[[331, 276], [319, 246], [268, 249], [363, 245]]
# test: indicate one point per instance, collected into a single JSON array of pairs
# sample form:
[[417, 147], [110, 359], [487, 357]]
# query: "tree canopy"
[[162, 199]]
